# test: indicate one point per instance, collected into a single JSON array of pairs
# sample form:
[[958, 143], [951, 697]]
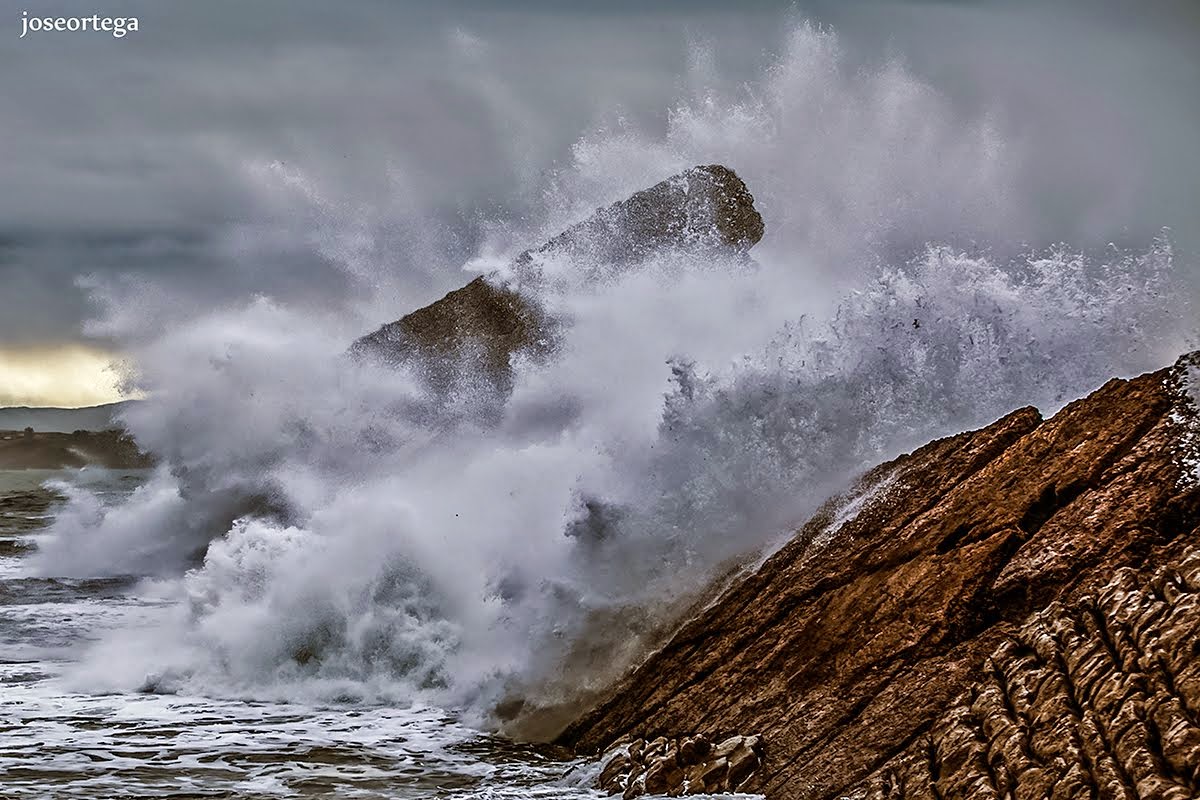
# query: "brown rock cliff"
[[949, 638]]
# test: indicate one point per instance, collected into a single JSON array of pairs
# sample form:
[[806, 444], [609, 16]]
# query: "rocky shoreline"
[[675, 767], [1012, 612], [1009, 612]]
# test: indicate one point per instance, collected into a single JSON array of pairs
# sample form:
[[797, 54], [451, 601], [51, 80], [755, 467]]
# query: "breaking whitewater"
[[327, 586]]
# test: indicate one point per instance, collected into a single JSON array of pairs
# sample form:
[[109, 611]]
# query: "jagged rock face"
[[1095, 699], [678, 767], [845, 650], [473, 332], [701, 207], [470, 334]]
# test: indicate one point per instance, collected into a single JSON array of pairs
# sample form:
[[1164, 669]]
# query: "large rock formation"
[[474, 331], [1010, 612]]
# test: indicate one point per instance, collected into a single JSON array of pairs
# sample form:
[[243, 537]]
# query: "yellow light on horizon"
[[65, 376]]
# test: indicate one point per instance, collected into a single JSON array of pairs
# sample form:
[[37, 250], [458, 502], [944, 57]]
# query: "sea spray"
[[335, 536]]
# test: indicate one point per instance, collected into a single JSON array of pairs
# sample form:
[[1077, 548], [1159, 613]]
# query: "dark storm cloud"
[[131, 155]]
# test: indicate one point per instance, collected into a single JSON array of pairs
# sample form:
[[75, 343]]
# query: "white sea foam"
[[350, 550], [1187, 417]]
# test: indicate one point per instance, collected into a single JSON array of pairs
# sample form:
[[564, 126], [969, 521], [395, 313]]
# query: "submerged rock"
[[472, 333], [1013, 612]]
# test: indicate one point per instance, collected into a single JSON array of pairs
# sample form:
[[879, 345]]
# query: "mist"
[[327, 544]]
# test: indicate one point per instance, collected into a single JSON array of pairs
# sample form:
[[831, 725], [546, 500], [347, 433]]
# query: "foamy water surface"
[[56, 741]]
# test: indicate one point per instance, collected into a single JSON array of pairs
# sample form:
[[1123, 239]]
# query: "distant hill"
[[19, 450], [62, 420]]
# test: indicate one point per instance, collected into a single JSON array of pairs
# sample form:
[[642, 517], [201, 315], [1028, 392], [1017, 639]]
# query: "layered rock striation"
[[1010, 612], [676, 767], [1098, 698]]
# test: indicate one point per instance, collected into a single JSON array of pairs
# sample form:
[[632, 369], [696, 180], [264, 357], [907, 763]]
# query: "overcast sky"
[[137, 156]]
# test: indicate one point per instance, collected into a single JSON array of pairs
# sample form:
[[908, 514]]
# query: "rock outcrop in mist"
[[1010, 612], [475, 330]]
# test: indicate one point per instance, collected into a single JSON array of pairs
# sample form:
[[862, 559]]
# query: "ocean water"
[[57, 741]]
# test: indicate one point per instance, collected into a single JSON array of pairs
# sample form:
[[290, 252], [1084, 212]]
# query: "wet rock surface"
[[677, 767], [1098, 699], [1009, 613], [473, 332], [469, 335]]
